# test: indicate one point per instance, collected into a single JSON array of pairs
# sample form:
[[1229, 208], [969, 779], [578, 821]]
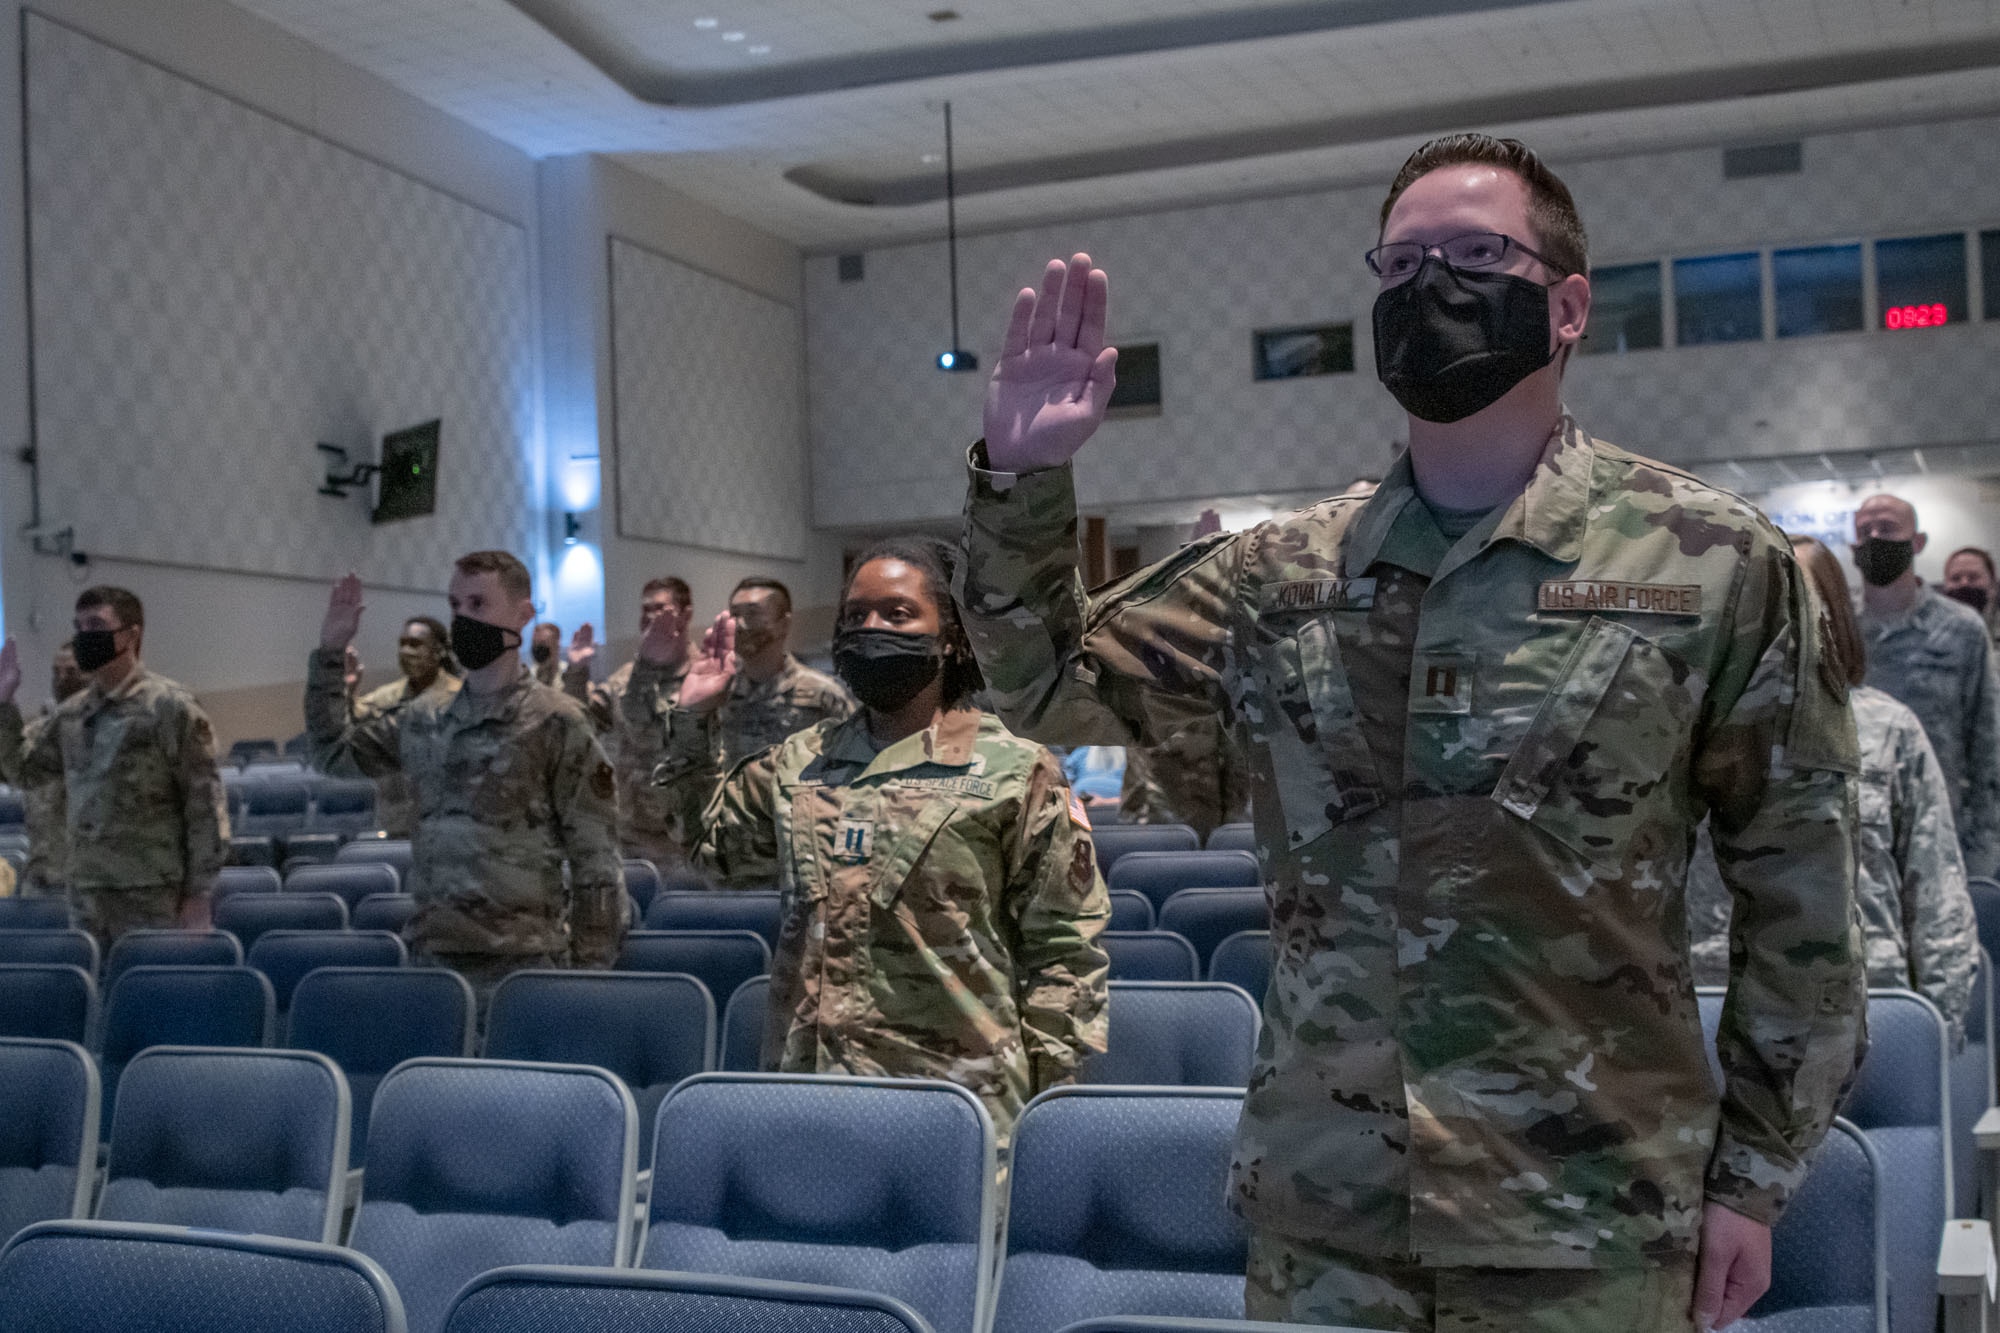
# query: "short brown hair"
[[754, 582], [675, 588], [123, 603], [1849, 650], [1551, 210], [514, 580], [1983, 557]]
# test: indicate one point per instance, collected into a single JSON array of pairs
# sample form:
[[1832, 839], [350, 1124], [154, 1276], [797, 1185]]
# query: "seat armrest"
[[1966, 1265], [1986, 1130]]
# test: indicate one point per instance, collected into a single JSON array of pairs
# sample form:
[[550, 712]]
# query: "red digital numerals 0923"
[[1915, 316]]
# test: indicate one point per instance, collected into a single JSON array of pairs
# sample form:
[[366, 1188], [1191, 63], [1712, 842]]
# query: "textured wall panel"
[[706, 384], [215, 291]]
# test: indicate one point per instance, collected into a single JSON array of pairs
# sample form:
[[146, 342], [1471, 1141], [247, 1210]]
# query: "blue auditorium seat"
[[1244, 960], [51, 1001], [248, 915], [642, 881], [1140, 1323], [261, 850], [1971, 1092], [743, 1026], [343, 805], [1829, 1250], [171, 948], [93, 1277], [48, 1131], [311, 849], [882, 1185], [285, 956], [1159, 875], [181, 1006], [371, 1019], [1131, 911], [274, 806], [720, 909], [1115, 841], [592, 1300], [1149, 955], [384, 911], [13, 809], [1177, 1034], [232, 1139], [253, 751], [353, 881], [78, 948], [389, 851], [476, 1164], [1207, 917], [34, 913], [1232, 838], [721, 959], [1119, 1207], [246, 879], [652, 1029]]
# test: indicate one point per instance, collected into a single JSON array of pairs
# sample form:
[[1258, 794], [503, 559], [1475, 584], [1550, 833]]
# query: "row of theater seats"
[[1116, 1204]]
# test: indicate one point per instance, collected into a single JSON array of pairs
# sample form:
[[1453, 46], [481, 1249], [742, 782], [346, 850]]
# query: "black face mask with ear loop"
[[477, 644], [94, 648], [1451, 342]]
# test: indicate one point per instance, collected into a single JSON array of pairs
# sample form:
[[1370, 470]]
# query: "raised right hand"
[[665, 641], [582, 646], [10, 671], [343, 615], [713, 669], [1054, 379]]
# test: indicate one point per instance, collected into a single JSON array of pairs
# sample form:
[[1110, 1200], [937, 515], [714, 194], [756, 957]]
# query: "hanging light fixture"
[[957, 359]]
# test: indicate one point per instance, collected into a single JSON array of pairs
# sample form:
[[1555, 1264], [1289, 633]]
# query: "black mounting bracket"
[[337, 482]]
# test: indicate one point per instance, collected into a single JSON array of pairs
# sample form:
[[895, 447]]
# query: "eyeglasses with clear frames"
[[1475, 250]]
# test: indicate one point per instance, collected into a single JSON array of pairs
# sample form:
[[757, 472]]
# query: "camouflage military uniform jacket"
[[1916, 915], [1196, 776], [48, 832], [1476, 770], [1938, 660], [143, 801], [653, 822], [506, 788], [941, 905], [757, 716], [395, 808]]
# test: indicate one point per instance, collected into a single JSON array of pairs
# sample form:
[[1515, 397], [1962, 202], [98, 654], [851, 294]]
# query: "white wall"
[[889, 431]]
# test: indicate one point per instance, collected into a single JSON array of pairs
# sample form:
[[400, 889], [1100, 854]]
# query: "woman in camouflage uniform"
[[941, 896]]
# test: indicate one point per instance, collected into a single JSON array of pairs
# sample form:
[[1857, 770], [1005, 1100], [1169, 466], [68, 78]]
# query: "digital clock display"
[[1926, 316]]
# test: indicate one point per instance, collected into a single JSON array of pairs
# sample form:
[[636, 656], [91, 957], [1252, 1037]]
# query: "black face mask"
[[477, 644], [95, 648], [1882, 561], [1449, 343], [884, 667], [1972, 597]]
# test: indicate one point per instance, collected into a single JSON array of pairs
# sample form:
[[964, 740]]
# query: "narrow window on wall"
[[1989, 264], [1625, 309], [1719, 299], [1322, 349], [1137, 393], [1920, 281], [1818, 289]]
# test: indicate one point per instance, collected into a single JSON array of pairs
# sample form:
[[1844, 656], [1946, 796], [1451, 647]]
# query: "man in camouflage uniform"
[[653, 821], [774, 694], [546, 652], [1934, 655], [48, 835], [1481, 1100], [941, 896], [509, 783], [420, 656], [146, 820], [1196, 776], [1916, 914]]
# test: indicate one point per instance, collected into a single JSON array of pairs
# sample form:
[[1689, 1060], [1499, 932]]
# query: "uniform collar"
[[745, 688], [96, 698], [947, 742], [467, 708], [1551, 514]]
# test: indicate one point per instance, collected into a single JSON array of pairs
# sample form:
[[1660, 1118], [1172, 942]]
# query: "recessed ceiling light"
[[704, 24], [732, 36], [760, 50]]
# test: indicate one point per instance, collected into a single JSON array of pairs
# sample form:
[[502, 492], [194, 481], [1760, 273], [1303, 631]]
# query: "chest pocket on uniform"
[[1325, 775], [801, 812], [894, 862], [1603, 740]]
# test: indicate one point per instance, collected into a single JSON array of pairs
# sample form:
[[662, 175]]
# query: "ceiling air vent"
[[1767, 159], [851, 268]]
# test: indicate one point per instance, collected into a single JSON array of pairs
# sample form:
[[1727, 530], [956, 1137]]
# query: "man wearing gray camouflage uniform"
[[509, 784], [146, 819], [1486, 708], [1934, 655]]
